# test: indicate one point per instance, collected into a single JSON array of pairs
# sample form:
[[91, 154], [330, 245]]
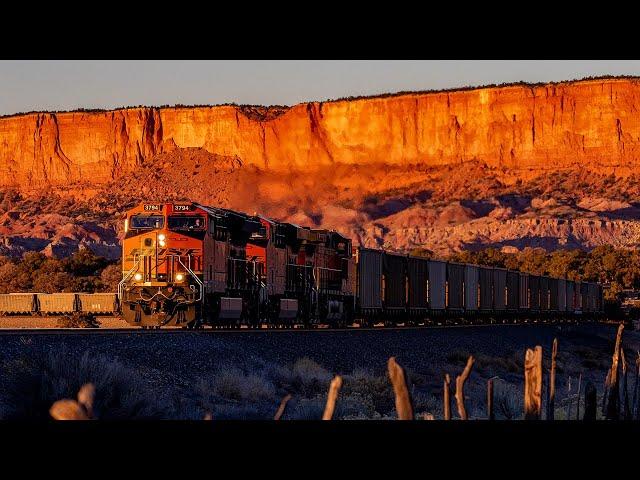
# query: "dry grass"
[[512, 363], [30, 386]]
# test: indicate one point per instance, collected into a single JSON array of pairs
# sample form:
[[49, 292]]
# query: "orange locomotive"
[[186, 264]]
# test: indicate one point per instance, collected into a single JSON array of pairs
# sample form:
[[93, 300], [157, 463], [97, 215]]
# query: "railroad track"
[[319, 329]]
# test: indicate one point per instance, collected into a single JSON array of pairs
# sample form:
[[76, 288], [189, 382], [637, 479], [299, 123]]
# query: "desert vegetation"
[[83, 271], [32, 384], [525, 384]]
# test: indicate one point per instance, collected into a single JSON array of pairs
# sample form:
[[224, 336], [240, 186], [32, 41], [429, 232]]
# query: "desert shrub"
[[511, 363], [30, 385], [425, 402], [592, 359], [110, 277], [307, 408], [230, 393], [305, 377], [83, 271], [458, 357], [507, 401], [52, 282], [84, 263], [234, 384], [78, 320], [241, 411], [375, 390], [348, 406]]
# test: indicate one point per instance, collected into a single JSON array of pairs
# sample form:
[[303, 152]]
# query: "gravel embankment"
[[185, 354]]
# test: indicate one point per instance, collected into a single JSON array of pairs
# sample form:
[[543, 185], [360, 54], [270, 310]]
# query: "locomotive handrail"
[[192, 273], [126, 277]]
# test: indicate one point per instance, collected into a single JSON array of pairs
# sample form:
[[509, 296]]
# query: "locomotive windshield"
[[186, 223], [147, 221]]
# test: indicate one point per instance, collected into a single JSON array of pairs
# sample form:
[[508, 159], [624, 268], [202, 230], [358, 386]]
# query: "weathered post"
[[590, 402], [552, 382], [447, 397], [67, 409], [80, 409], [605, 394], [634, 404], [578, 397], [627, 407], [533, 383], [334, 389], [283, 405], [613, 402], [462, 411], [490, 399], [404, 408], [569, 398], [86, 396]]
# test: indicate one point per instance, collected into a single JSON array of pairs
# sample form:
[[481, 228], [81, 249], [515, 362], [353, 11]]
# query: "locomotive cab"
[[162, 265]]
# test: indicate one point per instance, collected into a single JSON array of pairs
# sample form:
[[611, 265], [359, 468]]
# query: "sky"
[[67, 85]]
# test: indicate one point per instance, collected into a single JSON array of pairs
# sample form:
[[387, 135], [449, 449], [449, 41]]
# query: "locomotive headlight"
[[179, 277], [137, 277], [161, 240]]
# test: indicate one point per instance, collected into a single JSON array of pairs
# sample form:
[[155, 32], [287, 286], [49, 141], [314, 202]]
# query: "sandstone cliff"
[[588, 123], [514, 166]]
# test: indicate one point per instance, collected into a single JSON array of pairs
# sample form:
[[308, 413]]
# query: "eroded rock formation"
[[445, 170]]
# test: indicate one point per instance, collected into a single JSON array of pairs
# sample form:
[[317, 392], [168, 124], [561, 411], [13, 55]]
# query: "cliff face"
[[507, 167], [593, 124]]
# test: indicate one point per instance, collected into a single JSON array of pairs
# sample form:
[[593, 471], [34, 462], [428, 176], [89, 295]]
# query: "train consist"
[[186, 264], [58, 303]]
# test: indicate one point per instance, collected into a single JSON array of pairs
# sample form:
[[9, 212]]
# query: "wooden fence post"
[[578, 397], [283, 405], [613, 402], [462, 411], [404, 408], [569, 398], [627, 407], [590, 401], [86, 396], [634, 404], [447, 397], [334, 389], [605, 394], [490, 399], [533, 383], [552, 382]]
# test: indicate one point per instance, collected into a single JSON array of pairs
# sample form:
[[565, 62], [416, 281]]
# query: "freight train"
[[186, 264], [58, 303]]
